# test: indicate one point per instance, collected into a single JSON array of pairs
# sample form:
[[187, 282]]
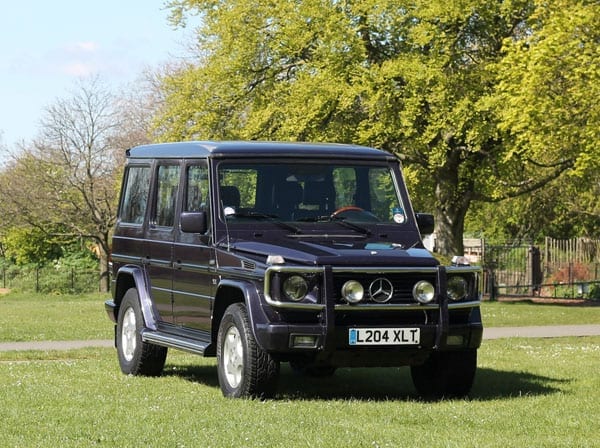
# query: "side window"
[[196, 198], [384, 201], [135, 196], [166, 195], [238, 187]]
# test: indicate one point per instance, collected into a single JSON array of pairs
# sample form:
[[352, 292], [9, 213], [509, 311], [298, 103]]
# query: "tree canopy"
[[546, 99], [442, 84], [549, 85]]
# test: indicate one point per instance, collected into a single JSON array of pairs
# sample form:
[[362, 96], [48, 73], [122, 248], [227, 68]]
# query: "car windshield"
[[352, 195]]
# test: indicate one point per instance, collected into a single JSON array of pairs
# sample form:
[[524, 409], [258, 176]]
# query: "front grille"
[[386, 318], [402, 283]]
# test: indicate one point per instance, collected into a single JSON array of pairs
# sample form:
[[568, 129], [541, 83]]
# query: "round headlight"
[[295, 288], [423, 291], [352, 291], [457, 288]]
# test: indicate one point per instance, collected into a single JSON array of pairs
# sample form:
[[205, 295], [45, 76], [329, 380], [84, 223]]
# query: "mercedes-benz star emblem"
[[381, 290]]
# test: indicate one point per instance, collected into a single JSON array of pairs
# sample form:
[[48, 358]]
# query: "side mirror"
[[425, 222], [193, 222]]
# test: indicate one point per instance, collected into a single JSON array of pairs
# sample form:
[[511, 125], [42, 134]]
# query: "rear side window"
[[135, 196]]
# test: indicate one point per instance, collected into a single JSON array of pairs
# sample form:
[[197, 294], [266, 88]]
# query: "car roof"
[[241, 149]]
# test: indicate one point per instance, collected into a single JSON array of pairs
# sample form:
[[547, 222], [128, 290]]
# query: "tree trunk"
[[449, 226], [453, 197]]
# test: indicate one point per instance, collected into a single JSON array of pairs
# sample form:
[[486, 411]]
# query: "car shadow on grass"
[[491, 384], [382, 384], [204, 374]]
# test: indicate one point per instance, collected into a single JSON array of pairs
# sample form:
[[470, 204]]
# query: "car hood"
[[338, 253]]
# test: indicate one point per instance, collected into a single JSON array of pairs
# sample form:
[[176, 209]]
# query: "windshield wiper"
[[350, 225], [268, 217], [340, 220]]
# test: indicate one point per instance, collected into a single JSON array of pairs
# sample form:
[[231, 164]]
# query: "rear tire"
[[445, 374], [135, 356], [244, 369]]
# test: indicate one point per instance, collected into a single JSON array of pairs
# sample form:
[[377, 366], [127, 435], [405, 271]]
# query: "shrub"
[[63, 276], [594, 293]]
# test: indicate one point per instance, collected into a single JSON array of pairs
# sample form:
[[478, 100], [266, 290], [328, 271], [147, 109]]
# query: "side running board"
[[179, 342]]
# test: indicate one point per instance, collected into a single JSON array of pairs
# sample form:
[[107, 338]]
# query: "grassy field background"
[[528, 392]]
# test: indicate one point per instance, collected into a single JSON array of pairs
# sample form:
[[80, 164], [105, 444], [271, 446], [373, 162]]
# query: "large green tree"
[[417, 78]]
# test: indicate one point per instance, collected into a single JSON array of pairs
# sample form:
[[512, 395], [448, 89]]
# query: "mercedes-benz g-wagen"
[[261, 253]]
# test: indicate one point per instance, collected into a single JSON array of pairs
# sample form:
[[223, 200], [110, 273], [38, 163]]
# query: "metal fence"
[[49, 279], [556, 268]]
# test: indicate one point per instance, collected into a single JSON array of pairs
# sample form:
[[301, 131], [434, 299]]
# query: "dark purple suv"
[[261, 253]]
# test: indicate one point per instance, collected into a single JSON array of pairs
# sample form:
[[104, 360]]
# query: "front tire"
[[445, 374], [135, 356], [244, 369]]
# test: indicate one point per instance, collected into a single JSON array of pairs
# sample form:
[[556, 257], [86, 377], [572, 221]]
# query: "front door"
[[161, 233], [193, 257]]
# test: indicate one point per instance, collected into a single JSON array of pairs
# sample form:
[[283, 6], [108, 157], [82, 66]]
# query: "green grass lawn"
[[528, 392], [518, 314], [37, 317]]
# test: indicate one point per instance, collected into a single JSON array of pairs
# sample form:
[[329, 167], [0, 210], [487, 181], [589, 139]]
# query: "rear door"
[[129, 245]]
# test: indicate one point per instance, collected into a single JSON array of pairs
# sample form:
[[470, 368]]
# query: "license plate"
[[384, 336]]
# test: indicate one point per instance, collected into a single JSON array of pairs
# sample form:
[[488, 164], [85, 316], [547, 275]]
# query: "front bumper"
[[324, 339], [335, 349]]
